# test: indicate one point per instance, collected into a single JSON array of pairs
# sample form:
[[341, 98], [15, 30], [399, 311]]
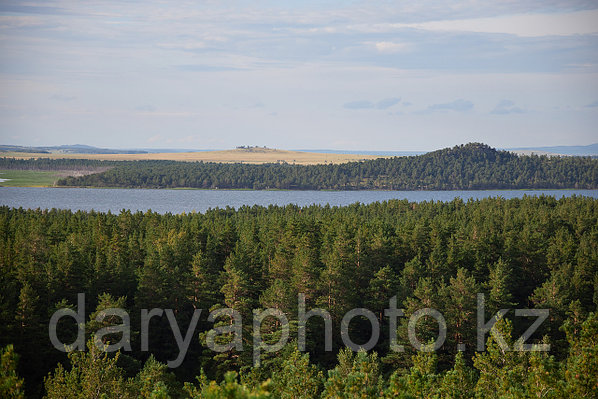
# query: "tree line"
[[48, 164], [467, 167], [534, 252]]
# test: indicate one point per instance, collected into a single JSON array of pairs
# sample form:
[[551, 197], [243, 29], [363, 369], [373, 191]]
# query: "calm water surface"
[[178, 201]]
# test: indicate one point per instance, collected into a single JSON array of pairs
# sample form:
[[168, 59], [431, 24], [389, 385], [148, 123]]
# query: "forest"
[[529, 253], [472, 166]]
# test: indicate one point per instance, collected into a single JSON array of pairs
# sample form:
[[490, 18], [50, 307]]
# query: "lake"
[[178, 201]]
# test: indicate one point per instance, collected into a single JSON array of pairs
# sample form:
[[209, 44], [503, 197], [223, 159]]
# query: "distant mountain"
[[18, 148], [172, 150], [68, 149], [77, 146], [579, 150], [573, 150]]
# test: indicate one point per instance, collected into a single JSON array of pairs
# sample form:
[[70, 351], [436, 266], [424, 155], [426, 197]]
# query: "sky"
[[355, 75]]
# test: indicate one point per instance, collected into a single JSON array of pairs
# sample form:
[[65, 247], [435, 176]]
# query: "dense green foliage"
[[468, 167], [530, 252], [11, 385], [55, 164]]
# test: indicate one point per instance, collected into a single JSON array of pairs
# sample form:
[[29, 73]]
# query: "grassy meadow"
[[29, 178]]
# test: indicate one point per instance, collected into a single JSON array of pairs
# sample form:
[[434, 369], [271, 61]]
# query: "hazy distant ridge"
[[578, 150], [574, 150], [68, 149]]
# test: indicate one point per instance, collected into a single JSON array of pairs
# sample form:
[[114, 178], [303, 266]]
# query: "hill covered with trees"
[[466, 167], [522, 253]]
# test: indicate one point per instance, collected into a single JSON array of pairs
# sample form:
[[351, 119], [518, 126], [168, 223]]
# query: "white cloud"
[[18, 21], [359, 104], [62, 97], [187, 45], [366, 104], [387, 102], [390, 47], [154, 138], [525, 25], [506, 107], [459, 105]]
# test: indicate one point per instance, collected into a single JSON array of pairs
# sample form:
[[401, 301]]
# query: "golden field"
[[240, 155]]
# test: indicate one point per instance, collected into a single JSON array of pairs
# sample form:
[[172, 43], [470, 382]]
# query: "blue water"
[[178, 201]]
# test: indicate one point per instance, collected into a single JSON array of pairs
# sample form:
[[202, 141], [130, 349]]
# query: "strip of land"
[[474, 166], [239, 155], [40, 178]]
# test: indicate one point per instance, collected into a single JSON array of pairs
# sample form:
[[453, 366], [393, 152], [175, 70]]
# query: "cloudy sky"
[[369, 75]]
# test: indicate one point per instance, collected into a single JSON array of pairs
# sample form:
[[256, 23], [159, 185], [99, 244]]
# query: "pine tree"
[[498, 286], [237, 287], [297, 378], [204, 284], [154, 381], [383, 286], [92, 374], [11, 386], [229, 388], [306, 266], [458, 383], [460, 299], [355, 376], [106, 301], [338, 278], [581, 373], [502, 370], [420, 382], [543, 376], [412, 272]]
